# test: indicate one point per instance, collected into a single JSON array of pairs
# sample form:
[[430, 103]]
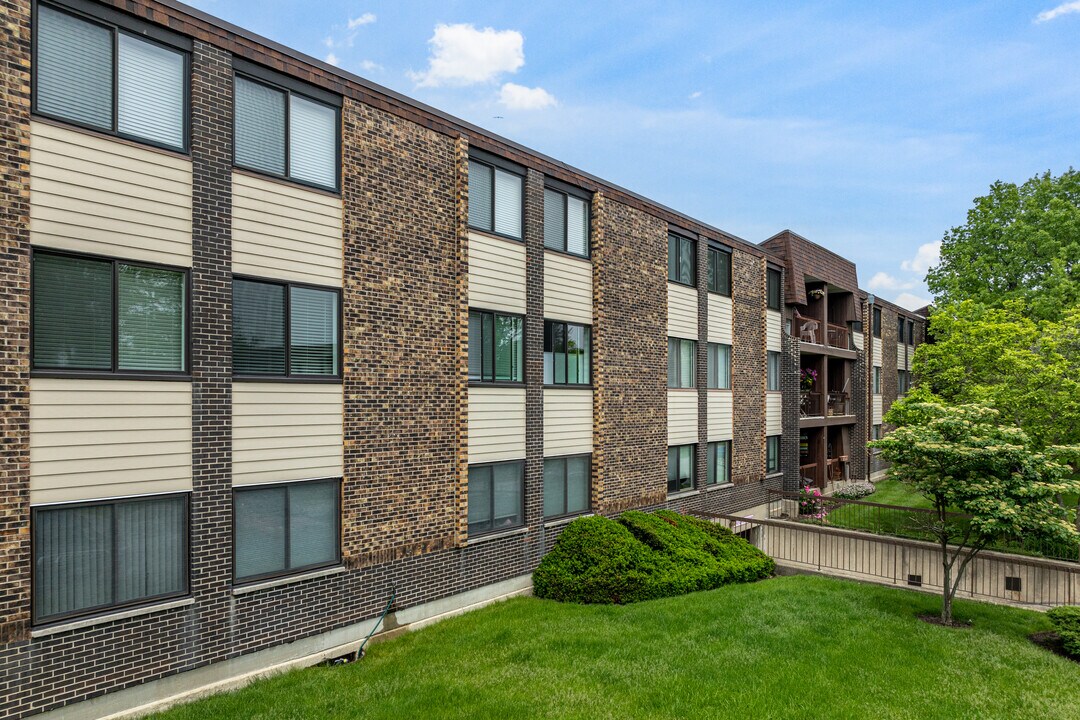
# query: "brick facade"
[[888, 358], [534, 359], [748, 361]]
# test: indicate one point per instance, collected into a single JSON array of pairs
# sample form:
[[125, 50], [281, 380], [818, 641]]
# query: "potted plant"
[[807, 378], [817, 293]]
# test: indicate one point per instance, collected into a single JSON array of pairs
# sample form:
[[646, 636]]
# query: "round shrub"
[[1066, 621]]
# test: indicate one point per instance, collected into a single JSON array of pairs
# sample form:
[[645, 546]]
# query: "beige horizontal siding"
[[682, 311], [496, 424], [496, 274], [287, 431], [858, 339], [721, 415], [682, 417], [773, 324], [901, 356], [567, 288], [877, 410], [773, 413], [285, 232], [875, 352], [719, 319], [568, 422], [94, 195], [107, 438]]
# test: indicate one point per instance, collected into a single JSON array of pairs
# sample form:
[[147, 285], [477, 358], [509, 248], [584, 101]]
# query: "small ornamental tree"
[[962, 460]]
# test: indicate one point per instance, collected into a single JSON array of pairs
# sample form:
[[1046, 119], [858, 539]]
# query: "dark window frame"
[[709, 455], [678, 466], [681, 243], [911, 333], [524, 365], [588, 507], [708, 367], [875, 380], [493, 162], [116, 23], [901, 322], [110, 608], [521, 506], [876, 321], [678, 366], [268, 78], [288, 376], [239, 489], [114, 373], [772, 379], [773, 294], [716, 250], [568, 191], [548, 326], [773, 468]]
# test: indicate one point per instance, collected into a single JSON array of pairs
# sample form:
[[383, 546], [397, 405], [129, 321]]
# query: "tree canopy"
[[1020, 242]]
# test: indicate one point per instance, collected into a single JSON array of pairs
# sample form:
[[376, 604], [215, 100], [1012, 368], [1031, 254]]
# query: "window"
[[718, 463], [772, 288], [100, 76], [282, 132], [286, 528], [285, 330], [772, 375], [900, 330], [495, 199], [566, 222], [772, 454], [911, 332], [566, 485], [108, 316], [876, 380], [718, 366], [680, 468], [681, 260], [681, 362], [92, 556], [856, 326], [875, 432], [566, 353], [496, 347], [496, 495], [877, 322], [901, 382], [719, 272]]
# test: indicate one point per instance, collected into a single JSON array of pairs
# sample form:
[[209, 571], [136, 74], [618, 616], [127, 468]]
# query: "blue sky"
[[867, 127]]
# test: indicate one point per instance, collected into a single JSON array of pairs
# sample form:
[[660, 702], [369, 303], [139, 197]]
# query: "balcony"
[[839, 404], [838, 337], [810, 405]]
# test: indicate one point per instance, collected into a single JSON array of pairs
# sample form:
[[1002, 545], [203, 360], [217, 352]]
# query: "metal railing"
[[901, 522]]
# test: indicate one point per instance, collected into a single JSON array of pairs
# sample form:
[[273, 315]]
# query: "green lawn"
[[793, 647]]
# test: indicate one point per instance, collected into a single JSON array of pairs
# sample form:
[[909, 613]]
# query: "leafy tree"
[[1020, 242], [960, 458]]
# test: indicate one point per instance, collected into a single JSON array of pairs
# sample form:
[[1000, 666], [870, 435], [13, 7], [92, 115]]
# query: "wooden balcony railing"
[[809, 474], [810, 405], [838, 337], [838, 404]]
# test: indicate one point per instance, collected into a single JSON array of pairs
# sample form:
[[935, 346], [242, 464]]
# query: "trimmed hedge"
[[1066, 621], [642, 556]]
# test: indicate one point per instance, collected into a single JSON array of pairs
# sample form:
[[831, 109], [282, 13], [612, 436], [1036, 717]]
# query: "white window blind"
[[312, 142], [313, 332], [260, 126], [554, 220], [507, 203], [577, 226], [74, 68], [150, 100], [480, 189]]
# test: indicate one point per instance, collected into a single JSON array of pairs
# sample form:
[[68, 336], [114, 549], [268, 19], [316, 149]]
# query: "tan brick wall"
[[748, 367]]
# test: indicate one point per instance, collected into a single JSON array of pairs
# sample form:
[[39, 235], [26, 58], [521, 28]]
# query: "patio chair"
[[807, 329]]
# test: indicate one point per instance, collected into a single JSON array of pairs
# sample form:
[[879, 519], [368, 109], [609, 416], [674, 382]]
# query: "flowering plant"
[[817, 293], [807, 378], [811, 503]]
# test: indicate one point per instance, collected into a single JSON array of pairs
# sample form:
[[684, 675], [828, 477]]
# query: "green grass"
[[793, 647]]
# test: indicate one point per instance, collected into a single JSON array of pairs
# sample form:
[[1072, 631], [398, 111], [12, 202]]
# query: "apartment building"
[[281, 345]]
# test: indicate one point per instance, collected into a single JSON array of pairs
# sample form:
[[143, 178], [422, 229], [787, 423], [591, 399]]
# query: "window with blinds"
[[566, 485], [283, 133], [680, 468], [719, 272], [107, 316], [89, 557], [772, 372], [495, 199], [266, 313], [286, 528], [718, 357], [772, 454], [566, 222], [81, 63], [496, 347], [681, 362], [682, 260], [566, 353], [496, 497], [718, 463]]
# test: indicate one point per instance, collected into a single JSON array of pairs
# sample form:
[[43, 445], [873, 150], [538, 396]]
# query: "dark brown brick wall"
[[401, 309], [748, 368], [15, 320], [534, 359], [630, 356], [804, 258]]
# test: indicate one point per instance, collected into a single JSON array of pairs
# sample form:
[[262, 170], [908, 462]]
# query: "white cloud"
[[927, 256], [885, 281], [332, 58], [370, 66], [464, 55], [1067, 8], [911, 301], [519, 97], [365, 19], [695, 95]]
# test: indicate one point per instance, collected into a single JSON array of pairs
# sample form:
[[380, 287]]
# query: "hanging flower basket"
[[817, 293], [807, 378]]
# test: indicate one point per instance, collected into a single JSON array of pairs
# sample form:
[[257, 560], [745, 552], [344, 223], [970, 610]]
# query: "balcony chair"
[[807, 329]]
